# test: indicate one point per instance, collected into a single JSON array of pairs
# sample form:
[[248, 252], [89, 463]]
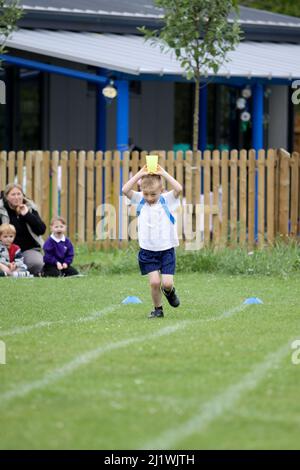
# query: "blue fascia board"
[[217, 80], [35, 65], [103, 80]]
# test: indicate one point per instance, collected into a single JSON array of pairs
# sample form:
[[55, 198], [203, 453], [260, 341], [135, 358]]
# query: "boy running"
[[157, 233]]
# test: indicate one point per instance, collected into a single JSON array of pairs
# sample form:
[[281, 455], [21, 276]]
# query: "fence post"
[[11, 167], [54, 173], [243, 197], [294, 194], [276, 195], [3, 158], [284, 187], [108, 195], [73, 195], [99, 191], [261, 198], [81, 196], [124, 225], [271, 184], [29, 156], [116, 194], [37, 196], [90, 198], [225, 211], [20, 167], [233, 197], [46, 189], [64, 186], [251, 198], [216, 187], [189, 191], [170, 163], [207, 162]]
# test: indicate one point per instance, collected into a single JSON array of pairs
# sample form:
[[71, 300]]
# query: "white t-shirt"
[[155, 230]]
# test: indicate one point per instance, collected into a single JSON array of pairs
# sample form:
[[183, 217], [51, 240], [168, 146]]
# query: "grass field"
[[86, 372]]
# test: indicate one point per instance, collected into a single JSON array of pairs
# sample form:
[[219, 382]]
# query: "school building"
[[66, 51]]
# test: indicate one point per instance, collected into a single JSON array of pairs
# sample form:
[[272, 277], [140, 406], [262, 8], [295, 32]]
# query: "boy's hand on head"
[[127, 188], [143, 171], [59, 266], [175, 185], [160, 171]]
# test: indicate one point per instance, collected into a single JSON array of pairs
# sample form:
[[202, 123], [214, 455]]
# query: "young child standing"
[[11, 259], [157, 233], [59, 251]]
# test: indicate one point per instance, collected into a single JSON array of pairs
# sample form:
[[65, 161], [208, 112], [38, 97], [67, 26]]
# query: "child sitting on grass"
[[157, 233], [59, 251], [11, 259]]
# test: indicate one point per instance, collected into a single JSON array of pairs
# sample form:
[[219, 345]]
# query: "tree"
[[199, 33], [285, 7], [10, 13]]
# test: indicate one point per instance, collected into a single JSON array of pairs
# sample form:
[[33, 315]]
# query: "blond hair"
[[58, 219], [9, 187], [150, 181], [7, 228]]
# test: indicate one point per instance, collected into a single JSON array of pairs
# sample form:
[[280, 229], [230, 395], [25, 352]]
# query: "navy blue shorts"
[[163, 261]]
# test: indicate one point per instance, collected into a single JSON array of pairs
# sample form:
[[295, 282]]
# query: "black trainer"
[[172, 297], [156, 313]]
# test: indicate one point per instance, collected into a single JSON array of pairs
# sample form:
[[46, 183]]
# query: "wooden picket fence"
[[218, 201]]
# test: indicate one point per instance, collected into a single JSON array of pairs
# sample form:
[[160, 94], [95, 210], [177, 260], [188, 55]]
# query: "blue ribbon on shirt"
[[164, 205]]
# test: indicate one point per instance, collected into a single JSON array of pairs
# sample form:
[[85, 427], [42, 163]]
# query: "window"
[[20, 117], [29, 110], [3, 130], [184, 101]]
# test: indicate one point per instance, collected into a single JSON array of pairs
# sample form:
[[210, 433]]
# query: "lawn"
[[86, 372]]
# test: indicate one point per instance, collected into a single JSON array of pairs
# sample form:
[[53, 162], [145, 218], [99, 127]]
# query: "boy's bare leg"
[[154, 279], [167, 282], [169, 290]]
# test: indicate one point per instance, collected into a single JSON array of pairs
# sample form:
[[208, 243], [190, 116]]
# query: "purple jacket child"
[[58, 251]]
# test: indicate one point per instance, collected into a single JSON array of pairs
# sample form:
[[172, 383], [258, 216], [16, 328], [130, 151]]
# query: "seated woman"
[[17, 210]]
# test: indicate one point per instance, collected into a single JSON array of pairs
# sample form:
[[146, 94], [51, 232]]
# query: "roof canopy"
[[144, 8], [124, 16], [130, 54]]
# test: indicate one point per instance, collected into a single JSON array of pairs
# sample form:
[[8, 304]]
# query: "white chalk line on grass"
[[82, 360], [85, 358], [217, 406], [45, 324], [226, 314]]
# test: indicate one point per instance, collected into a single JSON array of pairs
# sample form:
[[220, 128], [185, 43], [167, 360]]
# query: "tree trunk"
[[196, 113], [195, 144]]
